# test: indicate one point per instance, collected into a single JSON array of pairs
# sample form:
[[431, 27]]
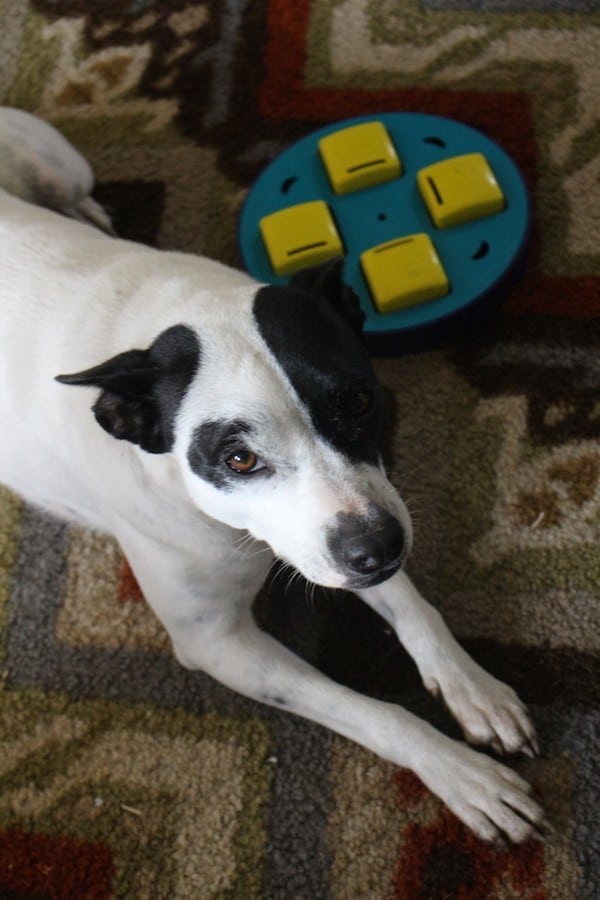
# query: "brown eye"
[[362, 403], [242, 461]]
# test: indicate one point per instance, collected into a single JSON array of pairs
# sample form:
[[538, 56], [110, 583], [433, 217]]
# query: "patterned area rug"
[[121, 774]]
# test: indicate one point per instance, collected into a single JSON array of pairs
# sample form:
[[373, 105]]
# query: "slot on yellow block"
[[300, 236], [358, 157], [404, 272], [460, 189]]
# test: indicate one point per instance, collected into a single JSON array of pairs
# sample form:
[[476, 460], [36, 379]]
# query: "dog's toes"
[[513, 727], [529, 745], [491, 799], [508, 733], [489, 711], [88, 210]]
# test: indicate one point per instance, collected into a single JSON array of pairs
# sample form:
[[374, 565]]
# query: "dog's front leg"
[[488, 710], [488, 797], [212, 628]]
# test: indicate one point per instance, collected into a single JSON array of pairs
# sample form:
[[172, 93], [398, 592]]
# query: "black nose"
[[370, 546]]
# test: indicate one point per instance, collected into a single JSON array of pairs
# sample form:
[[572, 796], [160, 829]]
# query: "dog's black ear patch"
[[326, 281], [327, 365], [128, 420], [141, 390]]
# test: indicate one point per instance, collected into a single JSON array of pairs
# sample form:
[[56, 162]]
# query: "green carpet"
[[121, 774]]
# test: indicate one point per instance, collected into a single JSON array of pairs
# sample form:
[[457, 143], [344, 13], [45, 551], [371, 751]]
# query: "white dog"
[[222, 408]]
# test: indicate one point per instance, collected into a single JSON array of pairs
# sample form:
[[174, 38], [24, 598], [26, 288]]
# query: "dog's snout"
[[368, 549], [374, 550]]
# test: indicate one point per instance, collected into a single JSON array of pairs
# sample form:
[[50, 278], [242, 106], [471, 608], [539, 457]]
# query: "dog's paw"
[[489, 711], [491, 799]]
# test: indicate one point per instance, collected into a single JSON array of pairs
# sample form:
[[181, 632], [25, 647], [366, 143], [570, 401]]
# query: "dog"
[[184, 408]]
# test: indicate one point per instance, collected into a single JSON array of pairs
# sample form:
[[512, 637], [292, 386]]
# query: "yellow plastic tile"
[[404, 272], [300, 236], [460, 189], [358, 157]]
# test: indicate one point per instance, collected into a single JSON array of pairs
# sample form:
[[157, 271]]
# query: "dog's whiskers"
[[282, 568], [245, 543], [310, 589], [294, 577], [286, 570], [242, 545]]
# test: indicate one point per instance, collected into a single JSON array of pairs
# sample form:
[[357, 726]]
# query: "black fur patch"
[[211, 443], [326, 281], [327, 365], [177, 353], [141, 390]]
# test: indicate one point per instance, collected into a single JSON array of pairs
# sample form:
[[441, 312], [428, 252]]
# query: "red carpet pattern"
[[124, 776]]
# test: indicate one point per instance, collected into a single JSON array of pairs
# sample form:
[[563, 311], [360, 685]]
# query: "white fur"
[[39, 165], [70, 297]]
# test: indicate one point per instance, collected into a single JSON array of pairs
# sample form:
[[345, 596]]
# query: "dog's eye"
[[243, 461], [361, 403]]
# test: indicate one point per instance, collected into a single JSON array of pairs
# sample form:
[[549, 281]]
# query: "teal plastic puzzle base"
[[375, 186]]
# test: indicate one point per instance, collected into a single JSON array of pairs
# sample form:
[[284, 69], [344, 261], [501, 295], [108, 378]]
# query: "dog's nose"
[[368, 547]]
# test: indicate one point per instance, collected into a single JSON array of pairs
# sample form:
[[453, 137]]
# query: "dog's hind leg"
[[39, 165]]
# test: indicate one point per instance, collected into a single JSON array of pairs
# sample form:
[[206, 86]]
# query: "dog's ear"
[[126, 407], [141, 389], [326, 281]]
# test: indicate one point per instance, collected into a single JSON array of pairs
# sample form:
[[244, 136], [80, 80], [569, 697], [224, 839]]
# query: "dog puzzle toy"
[[430, 216]]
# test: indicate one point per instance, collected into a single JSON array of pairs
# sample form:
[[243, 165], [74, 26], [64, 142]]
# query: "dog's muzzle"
[[367, 549]]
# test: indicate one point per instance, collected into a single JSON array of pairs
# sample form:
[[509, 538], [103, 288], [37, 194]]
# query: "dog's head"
[[276, 417]]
